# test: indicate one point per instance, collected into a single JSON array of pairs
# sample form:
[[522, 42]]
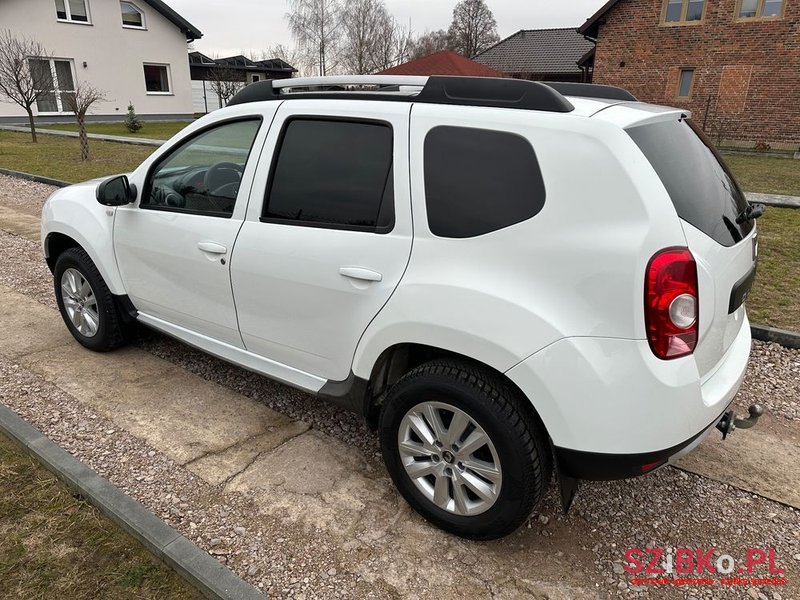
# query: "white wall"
[[114, 55]]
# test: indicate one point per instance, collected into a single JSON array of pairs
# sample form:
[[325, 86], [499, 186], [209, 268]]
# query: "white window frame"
[[56, 89], [69, 18], [169, 79], [141, 14]]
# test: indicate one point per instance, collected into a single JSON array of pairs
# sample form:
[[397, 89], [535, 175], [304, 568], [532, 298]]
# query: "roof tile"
[[442, 63], [541, 51]]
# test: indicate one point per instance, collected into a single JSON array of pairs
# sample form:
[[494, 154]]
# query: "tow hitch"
[[730, 422]]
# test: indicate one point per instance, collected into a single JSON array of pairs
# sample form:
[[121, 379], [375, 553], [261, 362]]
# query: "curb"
[[36, 178], [103, 137], [776, 200], [209, 576], [765, 333]]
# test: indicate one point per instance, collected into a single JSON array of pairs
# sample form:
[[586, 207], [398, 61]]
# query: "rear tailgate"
[[708, 201]]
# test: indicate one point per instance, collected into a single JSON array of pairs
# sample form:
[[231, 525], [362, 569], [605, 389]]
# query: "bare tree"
[[79, 102], [360, 22], [430, 43], [473, 29], [23, 79], [315, 27], [392, 44], [224, 83], [372, 38]]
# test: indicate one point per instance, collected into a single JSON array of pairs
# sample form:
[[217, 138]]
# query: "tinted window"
[[335, 174], [202, 175], [701, 186], [478, 181]]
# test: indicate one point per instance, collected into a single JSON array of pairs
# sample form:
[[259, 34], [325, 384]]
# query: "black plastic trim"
[[127, 311], [350, 394], [741, 289], [592, 90], [595, 466], [461, 91]]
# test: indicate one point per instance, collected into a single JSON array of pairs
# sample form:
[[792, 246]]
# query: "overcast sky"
[[234, 25]]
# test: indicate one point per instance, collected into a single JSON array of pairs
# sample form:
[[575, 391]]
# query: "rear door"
[[708, 201], [328, 232]]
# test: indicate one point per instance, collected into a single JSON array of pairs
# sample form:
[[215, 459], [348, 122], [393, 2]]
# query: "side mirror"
[[116, 191]]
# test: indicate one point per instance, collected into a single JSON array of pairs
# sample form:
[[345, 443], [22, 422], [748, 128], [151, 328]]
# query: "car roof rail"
[[592, 90], [462, 91]]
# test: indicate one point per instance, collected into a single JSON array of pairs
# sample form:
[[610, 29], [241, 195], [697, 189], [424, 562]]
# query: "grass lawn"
[[53, 545], [766, 174], [60, 157], [774, 297], [154, 130]]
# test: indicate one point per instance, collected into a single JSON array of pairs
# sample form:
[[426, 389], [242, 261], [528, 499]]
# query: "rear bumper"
[[610, 396], [596, 466]]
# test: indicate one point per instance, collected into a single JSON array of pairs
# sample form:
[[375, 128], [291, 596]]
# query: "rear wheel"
[[85, 302], [463, 450]]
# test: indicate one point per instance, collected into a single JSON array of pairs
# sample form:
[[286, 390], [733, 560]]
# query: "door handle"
[[360, 273], [212, 247]]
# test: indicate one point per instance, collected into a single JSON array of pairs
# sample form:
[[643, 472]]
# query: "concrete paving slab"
[[331, 482], [27, 326], [220, 467], [762, 460], [19, 223], [182, 415]]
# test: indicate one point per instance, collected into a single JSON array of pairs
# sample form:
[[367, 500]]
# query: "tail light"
[[671, 303]]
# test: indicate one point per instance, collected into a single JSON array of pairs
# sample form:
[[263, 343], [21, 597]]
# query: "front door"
[[322, 253], [173, 248]]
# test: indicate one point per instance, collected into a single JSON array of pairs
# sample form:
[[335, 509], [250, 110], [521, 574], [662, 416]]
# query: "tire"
[[90, 313], [515, 465]]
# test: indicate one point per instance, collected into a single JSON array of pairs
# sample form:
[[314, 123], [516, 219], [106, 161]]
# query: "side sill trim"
[[242, 358]]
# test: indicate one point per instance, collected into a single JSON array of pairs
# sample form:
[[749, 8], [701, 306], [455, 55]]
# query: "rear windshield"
[[701, 186]]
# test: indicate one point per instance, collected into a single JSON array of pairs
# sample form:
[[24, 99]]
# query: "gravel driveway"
[[580, 555]]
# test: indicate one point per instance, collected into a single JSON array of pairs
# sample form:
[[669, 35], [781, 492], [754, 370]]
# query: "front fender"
[[74, 212]]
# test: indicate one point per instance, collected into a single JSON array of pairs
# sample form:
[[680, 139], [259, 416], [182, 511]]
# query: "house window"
[[131, 16], [685, 83], [57, 82], [256, 78], [156, 79], [75, 11], [683, 11], [755, 9]]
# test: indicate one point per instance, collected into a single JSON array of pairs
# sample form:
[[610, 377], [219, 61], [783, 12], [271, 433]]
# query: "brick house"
[[734, 63]]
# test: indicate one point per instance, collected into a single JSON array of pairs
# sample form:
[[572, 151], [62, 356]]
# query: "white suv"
[[503, 276]]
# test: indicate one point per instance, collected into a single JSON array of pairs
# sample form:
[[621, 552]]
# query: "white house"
[[133, 50]]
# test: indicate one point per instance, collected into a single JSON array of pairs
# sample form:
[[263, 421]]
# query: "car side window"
[[202, 176], [333, 173], [478, 181]]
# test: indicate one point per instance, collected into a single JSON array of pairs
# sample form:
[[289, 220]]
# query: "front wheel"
[[85, 302], [463, 450]]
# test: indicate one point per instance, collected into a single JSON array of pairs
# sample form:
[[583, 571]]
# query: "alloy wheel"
[[450, 458], [80, 302]]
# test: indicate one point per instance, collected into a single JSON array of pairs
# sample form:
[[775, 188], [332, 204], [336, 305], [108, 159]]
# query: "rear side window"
[[701, 186], [478, 181], [332, 173]]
